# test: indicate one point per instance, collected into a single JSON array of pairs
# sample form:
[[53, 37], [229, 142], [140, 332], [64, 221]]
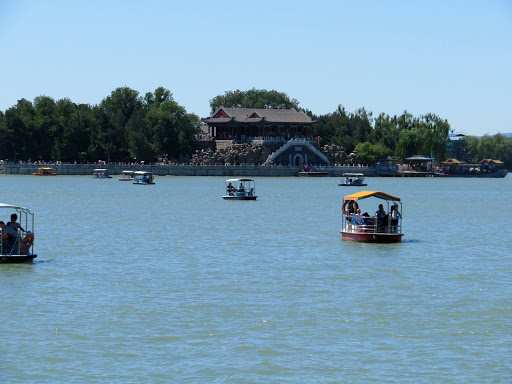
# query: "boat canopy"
[[11, 206], [353, 174], [365, 194], [46, 168], [232, 180], [143, 173], [100, 170]]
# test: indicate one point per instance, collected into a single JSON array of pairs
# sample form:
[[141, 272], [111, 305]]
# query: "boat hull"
[[372, 237], [493, 175], [17, 258], [352, 185], [313, 174], [239, 197]]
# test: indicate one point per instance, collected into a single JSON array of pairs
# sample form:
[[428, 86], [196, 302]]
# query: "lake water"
[[170, 283]]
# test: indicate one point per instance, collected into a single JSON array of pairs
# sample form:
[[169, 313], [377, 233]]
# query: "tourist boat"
[[352, 180], [237, 190], [370, 229], [143, 178], [18, 248], [126, 176], [45, 171], [101, 173]]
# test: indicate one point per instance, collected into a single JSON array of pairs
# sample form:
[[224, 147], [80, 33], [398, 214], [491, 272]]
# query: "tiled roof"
[[241, 115]]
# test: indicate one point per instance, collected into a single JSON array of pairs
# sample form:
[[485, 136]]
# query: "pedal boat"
[[101, 173], [126, 176], [45, 171], [21, 248], [237, 190], [352, 180], [143, 178], [368, 229]]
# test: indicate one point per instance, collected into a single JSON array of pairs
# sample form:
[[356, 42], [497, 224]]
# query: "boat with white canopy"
[[237, 190], [101, 173], [17, 240], [126, 176], [352, 180], [143, 178]]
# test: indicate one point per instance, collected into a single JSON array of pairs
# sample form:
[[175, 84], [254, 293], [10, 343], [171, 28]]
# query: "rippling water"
[[170, 283]]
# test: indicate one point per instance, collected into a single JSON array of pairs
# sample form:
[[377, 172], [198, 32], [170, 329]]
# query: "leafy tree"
[[19, 130], [254, 98], [409, 143], [368, 153], [171, 127]]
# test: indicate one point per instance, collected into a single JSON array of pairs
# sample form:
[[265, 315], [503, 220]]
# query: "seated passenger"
[[395, 216], [14, 224], [230, 189], [357, 218], [9, 235], [382, 218]]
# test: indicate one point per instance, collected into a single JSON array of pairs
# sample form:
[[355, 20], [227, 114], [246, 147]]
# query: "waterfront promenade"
[[184, 169]]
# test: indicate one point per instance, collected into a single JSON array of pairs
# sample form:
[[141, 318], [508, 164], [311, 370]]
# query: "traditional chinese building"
[[255, 124]]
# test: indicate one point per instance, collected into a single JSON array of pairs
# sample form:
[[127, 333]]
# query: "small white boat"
[[17, 242], [126, 176], [101, 173], [143, 178], [237, 190], [352, 180]]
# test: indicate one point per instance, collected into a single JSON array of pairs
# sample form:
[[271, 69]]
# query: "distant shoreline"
[[186, 170]]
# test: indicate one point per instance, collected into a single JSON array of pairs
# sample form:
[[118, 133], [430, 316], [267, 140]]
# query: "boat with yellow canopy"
[[385, 226], [45, 171]]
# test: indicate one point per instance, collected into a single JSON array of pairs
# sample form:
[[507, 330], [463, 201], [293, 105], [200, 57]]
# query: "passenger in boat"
[[395, 216], [14, 224], [351, 209], [241, 188], [8, 236], [382, 218], [230, 189], [357, 218]]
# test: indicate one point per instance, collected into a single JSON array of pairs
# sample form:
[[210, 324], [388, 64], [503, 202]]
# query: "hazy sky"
[[451, 58]]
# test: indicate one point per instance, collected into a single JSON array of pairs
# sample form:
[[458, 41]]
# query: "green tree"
[[19, 130], [368, 153], [253, 98], [409, 143], [172, 128]]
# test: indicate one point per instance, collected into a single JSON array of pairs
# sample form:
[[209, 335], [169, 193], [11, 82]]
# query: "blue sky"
[[451, 58]]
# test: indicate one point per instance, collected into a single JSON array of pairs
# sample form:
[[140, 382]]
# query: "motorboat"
[[45, 171], [126, 176], [143, 178], [352, 180], [101, 173], [17, 244], [382, 227], [240, 189]]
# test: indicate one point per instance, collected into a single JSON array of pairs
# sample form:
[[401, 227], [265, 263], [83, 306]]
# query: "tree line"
[[123, 127], [126, 126]]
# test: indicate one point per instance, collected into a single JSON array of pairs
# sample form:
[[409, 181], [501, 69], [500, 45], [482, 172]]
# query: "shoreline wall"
[[185, 170]]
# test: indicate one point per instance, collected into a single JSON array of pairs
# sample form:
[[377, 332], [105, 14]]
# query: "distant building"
[[420, 163], [255, 124], [456, 147]]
